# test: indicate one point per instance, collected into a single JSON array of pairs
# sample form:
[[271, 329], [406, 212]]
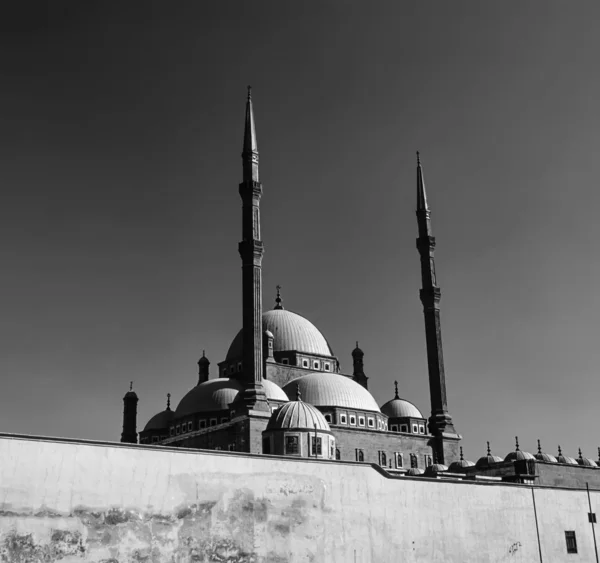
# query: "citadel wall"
[[105, 502]]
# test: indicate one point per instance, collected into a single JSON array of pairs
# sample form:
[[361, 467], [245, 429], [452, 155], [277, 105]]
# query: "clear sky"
[[120, 135]]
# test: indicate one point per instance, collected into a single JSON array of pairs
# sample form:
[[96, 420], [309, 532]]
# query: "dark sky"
[[120, 136]]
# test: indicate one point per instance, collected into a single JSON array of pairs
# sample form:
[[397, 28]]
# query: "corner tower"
[[445, 437], [251, 252]]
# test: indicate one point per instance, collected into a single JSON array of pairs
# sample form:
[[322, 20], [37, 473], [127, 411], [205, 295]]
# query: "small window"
[[232, 447], [328, 417], [326, 366], [415, 429], [213, 421], [224, 372], [154, 439], [371, 422], [331, 451], [201, 424], [414, 460], [403, 428], [394, 428], [224, 420], [190, 426], [172, 431], [305, 363], [266, 445], [421, 429], [316, 364], [382, 459], [352, 420], [178, 429], [239, 366], [361, 420], [399, 458], [343, 419], [315, 450], [360, 455], [337, 453], [291, 445], [428, 460], [285, 361], [571, 542]]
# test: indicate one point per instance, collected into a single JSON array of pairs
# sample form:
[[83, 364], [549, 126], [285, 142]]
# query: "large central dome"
[[291, 332]]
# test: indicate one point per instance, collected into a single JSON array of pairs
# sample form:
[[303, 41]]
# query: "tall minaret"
[[130, 401], [251, 251], [440, 422]]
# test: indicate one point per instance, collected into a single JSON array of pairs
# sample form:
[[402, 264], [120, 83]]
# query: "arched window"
[[360, 455], [337, 453]]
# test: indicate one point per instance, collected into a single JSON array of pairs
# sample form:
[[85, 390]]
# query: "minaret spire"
[[251, 252], [440, 422]]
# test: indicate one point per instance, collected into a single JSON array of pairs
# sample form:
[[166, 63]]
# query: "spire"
[[559, 451], [421, 194], [539, 447], [278, 300], [461, 454], [396, 390], [131, 385], [580, 455], [250, 150], [516, 443], [168, 401], [489, 451]]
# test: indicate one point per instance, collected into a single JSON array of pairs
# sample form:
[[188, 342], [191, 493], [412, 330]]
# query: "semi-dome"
[[160, 421], [332, 390], [298, 415], [211, 395], [218, 394], [291, 333]]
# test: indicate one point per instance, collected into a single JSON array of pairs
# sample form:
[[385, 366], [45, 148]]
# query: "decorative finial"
[[461, 454], [580, 456], [396, 390], [278, 299], [539, 447], [559, 450], [298, 394], [168, 401], [131, 385], [203, 353], [249, 92], [516, 443], [418, 158], [489, 451], [357, 343]]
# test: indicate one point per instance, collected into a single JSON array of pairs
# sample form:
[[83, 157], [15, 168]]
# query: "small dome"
[[332, 390], [518, 455], [212, 395], [560, 458], [586, 461], [401, 408], [291, 332], [434, 469], [488, 460], [461, 465], [274, 392], [298, 415], [543, 456], [414, 471], [160, 421]]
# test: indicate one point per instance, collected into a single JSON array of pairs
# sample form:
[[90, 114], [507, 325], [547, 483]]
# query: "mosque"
[[280, 390], [280, 457]]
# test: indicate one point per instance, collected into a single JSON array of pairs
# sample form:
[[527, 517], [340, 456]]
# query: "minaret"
[[440, 422], [251, 251], [130, 401], [358, 372]]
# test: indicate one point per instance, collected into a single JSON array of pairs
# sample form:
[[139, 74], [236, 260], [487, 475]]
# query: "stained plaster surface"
[[80, 501]]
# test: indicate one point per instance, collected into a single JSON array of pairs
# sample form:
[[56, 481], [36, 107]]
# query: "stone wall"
[[97, 502]]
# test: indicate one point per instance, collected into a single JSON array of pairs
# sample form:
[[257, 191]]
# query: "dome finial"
[[396, 390], [168, 401], [131, 385], [488, 448], [418, 158], [461, 454], [298, 393], [516, 443], [580, 455], [539, 447], [278, 299], [559, 450]]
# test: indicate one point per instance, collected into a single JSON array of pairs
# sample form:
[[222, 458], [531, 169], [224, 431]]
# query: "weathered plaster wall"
[[83, 501]]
